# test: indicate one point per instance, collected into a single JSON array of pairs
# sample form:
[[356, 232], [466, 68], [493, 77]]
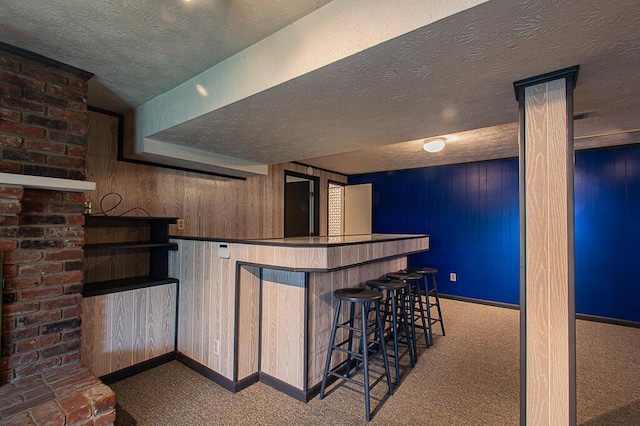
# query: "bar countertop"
[[338, 240]]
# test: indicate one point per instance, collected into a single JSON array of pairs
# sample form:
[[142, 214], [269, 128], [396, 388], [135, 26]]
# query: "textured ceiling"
[[140, 49], [452, 76], [616, 127]]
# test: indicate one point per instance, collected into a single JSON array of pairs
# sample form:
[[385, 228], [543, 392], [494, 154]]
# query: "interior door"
[[357, 209], [296, 209]]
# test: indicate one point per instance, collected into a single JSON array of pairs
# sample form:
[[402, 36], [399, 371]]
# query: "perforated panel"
[[336, 200]]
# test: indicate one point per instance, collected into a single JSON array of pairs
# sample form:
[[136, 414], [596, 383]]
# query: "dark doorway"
[[300, 205]]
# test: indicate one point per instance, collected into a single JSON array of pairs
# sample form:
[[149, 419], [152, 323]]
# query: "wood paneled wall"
[[207, 308], [206, 305], [248, 321], [211, 206], [129, 327], [283, 326]]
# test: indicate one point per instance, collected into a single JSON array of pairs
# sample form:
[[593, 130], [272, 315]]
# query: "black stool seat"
[[388, 284], [358, 294], [423, 271], [404, 276]]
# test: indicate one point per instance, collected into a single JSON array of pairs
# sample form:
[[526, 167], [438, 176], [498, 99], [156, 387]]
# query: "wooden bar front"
[[264, 313]]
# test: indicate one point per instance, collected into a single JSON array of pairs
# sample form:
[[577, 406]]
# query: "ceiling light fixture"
[[434, 144], [203, 92]]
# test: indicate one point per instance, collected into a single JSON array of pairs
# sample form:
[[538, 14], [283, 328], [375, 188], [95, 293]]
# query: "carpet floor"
[[469, 377]]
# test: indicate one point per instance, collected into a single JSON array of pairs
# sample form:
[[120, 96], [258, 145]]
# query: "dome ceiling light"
[[434, 144]]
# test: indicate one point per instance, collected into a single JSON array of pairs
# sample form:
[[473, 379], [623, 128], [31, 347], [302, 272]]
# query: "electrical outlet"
[[453, 277], [180, 224], [216, 347]]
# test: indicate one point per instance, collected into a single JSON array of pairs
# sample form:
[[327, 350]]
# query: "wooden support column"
[[547, 302]]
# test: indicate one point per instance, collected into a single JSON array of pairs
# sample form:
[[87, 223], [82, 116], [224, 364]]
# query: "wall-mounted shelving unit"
[[125, 253], [129, 300]]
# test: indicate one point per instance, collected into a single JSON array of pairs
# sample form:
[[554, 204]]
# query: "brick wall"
[[44, 119], [43, 129]]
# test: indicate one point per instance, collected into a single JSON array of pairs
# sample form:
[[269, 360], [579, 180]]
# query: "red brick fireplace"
[[43, 133], [43, 127], [42, 243]]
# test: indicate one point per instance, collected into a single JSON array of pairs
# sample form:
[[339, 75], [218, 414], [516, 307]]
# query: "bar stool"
[[367, 326], [430, 290], [414, 300], [394, 293]]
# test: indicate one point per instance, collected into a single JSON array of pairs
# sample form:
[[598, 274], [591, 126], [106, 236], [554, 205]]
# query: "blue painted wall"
[[607, 224], [470, 212]]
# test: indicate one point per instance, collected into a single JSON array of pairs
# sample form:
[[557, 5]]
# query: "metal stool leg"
[[412, 316], [423, 320], [383, 345], [350, 341], [435, 293], [426, 296], [407, 331], [365, 361], [394, 322]]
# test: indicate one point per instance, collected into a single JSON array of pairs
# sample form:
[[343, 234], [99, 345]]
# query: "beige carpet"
[[469, 377]]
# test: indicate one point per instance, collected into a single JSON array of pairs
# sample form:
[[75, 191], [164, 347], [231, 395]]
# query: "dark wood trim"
[[121, 157], [105, 111], [206, 372], [571, 79], [569, 73], [181, 169], [26, 54], [607, 320], [247, 381], [305, 337], [131, 246], [523, 263], [106, 220], [177, 320], [260, 287], [138, 368], [124, 284], [236, 320], [283, 387], [479, 301]]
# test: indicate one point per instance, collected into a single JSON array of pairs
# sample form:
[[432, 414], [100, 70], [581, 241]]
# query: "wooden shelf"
[[113, 221], [126, 252], [131, 245], [124, 284]]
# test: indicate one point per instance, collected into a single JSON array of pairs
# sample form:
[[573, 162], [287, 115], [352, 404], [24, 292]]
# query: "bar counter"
[[261, 310]]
